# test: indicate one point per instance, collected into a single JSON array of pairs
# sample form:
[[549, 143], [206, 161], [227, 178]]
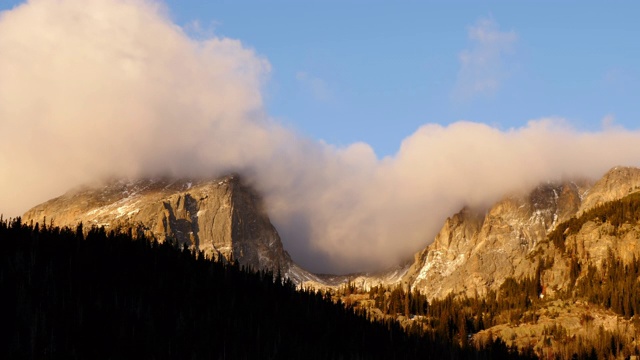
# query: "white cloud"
[[483, 66], [103, 87], [360, 212], [94, 88], [196, 30], [314, 85]]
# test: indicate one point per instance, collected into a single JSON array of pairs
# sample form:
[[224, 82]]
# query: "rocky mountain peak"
[[221, 217], [615, 184], [476, 250]]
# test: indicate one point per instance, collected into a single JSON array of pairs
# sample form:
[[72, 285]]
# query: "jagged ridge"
[[476, 251], [220, 217]]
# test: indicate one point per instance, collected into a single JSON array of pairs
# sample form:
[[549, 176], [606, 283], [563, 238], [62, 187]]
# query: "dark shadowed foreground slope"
[[104, 296]]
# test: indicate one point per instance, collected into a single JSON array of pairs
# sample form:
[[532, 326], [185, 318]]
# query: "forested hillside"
[[106, 296], [596, 315], [72, 293]]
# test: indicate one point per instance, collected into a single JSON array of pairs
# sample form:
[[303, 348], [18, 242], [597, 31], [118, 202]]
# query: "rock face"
[[222, 217], [476, 250], [615, 184]]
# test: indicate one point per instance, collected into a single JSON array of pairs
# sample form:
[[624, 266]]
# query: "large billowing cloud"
[[95, 88], [113, 87]]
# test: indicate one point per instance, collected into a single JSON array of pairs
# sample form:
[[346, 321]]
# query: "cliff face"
[[221, 217], [596, 237], [615, 184], [476, 250]]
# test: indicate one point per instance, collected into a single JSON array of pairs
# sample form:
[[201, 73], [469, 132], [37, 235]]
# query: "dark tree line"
[[616, 286], [107, 296], [460, 316], [456, 317], [398, 301]]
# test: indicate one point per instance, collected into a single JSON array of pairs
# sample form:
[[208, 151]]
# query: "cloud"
[[113, 87], [196, 30], [314, 85], [483, 66], [95, 88], [362, 211]]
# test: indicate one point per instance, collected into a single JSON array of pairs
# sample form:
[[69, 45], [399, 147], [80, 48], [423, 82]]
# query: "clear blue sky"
[[373, 71]]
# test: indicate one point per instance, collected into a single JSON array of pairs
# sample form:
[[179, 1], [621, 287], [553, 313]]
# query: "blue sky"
[[347, 71]]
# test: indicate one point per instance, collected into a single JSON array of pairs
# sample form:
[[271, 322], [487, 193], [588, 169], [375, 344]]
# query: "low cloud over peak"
[[114, 88]]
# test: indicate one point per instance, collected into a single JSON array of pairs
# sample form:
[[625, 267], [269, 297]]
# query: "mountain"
[[555, 270], [476, 250], [615, 184], [221, 217]]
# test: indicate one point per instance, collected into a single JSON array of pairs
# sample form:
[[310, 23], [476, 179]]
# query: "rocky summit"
[[221, 217], [476, 249]]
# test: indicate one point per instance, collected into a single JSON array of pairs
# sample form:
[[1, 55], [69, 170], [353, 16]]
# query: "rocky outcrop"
[[222, 217], [556, 324], [615, 184], [476, 250]]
